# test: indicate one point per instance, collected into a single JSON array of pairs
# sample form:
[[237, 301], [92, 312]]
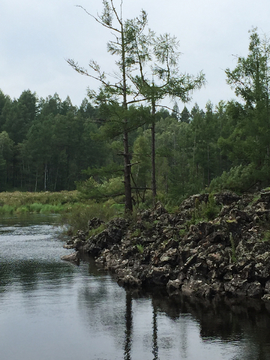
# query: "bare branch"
[[98, 20], [99, 78], [116, 13]]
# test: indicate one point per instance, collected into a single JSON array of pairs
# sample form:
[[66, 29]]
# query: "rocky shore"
[[213, 245]]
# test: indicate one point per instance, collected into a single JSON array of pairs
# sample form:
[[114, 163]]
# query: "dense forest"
[[51, 145]]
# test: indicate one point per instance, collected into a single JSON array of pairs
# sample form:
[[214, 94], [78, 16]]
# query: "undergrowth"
[[203, 211], [80, 214]]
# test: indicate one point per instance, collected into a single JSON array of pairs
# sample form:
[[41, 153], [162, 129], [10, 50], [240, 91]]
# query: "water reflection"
[[243, 323], [128, 331], [28, 273], [154, 326], [155, 334], [53, 309]]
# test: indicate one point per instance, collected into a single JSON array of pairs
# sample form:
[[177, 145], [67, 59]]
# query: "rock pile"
[[212, 245]]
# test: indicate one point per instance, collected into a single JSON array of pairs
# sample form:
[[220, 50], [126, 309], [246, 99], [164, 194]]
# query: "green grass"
[[98, 230], [140, 248], [20, 203], [7, 209], [182, 232], [18, 198], [36, 207], [136, 233]]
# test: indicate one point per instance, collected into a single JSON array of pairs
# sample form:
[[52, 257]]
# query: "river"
[[55, 310]]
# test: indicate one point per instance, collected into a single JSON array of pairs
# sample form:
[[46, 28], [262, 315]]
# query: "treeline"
[[45, 144], [52, 145]]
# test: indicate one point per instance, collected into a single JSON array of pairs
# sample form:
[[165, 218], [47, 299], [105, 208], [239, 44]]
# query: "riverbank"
[[213, 245]]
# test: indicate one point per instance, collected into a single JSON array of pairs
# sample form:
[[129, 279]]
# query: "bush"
[[204, 211], [210, 210], [239, 179]]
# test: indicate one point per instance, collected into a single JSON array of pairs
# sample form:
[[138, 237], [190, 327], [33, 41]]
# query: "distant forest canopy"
[[51, 145]]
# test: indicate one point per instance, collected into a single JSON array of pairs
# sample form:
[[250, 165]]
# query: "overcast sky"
[[37, 36]]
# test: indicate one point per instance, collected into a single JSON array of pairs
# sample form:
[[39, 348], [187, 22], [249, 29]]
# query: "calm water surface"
[[54, 310]]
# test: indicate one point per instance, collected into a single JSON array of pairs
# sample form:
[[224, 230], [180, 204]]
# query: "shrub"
[[210, 210], [239, 179], [205, 210]]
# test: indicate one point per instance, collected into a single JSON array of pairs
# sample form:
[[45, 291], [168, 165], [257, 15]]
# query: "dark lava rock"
[[229, 255]]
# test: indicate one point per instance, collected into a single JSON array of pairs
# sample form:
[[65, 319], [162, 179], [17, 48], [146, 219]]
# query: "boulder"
[[74, 257]]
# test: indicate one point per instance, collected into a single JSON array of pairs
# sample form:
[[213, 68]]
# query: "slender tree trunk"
[[267, 120], [127, 164], [127, 174], [153, 152], [45, 176], [56, 178], [208, 166], [21, 178], [36, 181]]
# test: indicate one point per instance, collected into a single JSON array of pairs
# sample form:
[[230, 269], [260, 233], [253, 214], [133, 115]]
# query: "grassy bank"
[[40, 202], [75, 209]]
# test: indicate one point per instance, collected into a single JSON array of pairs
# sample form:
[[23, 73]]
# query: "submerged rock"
[[74, 257]]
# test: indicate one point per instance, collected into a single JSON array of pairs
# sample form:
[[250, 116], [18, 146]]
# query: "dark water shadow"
[[220, 320]]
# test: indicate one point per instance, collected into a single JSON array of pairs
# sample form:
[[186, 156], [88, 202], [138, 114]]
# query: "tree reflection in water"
[[244, 323], [128, 332], [155, 333], [237, 329]]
